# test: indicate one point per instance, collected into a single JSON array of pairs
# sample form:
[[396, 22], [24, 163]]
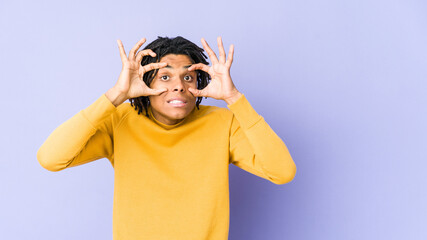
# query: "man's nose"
[[178, 86]]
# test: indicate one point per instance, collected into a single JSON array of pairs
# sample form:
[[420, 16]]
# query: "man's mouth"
[[177, 102]]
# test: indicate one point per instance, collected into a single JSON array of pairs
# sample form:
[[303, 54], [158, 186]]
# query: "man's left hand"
[[221, 87]]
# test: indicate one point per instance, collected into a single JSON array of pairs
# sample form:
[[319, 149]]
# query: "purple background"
[[343, 83]]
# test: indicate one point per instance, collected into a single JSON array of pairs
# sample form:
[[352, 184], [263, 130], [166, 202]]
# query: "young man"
[[171, 161]]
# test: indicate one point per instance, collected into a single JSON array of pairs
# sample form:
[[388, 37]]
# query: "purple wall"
[[342, 82]]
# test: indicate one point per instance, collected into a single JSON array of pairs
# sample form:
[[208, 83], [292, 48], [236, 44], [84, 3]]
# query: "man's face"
[[177, 79]]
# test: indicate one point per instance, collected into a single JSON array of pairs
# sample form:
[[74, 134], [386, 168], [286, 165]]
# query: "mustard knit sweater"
[[170, 181]]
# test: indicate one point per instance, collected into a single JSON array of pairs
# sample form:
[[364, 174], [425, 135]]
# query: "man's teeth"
[[176, 101]]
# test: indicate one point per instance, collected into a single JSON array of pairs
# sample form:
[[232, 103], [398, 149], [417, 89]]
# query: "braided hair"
[[163, 46]]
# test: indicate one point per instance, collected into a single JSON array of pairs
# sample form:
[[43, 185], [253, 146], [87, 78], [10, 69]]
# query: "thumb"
[[159, 91], [195, 92]]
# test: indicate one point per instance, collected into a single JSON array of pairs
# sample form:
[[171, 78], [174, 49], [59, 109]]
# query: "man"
[[171, 162]]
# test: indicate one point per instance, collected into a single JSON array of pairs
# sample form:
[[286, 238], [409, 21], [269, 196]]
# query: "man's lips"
[[177, 99], [177, 102]]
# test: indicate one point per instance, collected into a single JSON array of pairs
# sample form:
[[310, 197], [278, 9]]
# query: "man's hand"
[[130, 83], [221, 86]]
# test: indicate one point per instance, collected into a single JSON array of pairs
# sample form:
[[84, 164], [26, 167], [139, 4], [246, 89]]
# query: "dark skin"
[[131, 85], [176, 78]]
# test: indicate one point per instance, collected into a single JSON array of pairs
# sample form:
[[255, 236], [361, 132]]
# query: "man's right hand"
[[130, 83]]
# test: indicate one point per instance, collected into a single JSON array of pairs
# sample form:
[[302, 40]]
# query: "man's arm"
[[255, 147], [85, 137], [88, 135]]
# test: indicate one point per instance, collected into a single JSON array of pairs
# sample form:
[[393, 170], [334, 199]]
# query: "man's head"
[[179, 53]]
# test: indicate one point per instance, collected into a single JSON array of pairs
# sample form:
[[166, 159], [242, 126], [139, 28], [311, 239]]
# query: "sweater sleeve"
[[255, 147], [85, 137]]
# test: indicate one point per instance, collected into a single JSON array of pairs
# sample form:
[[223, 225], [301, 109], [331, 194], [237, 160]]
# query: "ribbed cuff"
[[244, 112], [99, 110]]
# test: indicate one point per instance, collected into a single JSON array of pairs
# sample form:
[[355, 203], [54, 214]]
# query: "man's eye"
[[164, 77], [188, 78]]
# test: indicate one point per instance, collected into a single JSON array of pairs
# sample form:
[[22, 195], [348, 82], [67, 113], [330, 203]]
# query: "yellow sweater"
[[170, 181]]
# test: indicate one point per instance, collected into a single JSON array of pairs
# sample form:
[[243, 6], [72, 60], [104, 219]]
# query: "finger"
[[143, 53], [156, 91], [152, 66], [211, 53], [135, 48], [221, 50], [199, 66], [122, 51], [197, 92], [230, 56]]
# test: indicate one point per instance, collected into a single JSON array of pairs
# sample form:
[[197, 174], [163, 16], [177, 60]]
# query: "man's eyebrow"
[[168, 66]]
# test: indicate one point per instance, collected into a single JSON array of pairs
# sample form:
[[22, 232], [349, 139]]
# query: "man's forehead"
[[176, 61], [184, 67]]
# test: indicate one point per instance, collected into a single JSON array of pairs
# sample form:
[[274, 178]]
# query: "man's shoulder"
[[124, 108], [209, 110], [123, 111]]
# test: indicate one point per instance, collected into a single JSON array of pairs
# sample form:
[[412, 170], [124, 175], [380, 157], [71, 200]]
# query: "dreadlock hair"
[[163, 46]]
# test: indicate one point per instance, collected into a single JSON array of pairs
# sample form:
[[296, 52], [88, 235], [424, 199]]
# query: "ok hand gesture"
[[221, 86], [130, 83]]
